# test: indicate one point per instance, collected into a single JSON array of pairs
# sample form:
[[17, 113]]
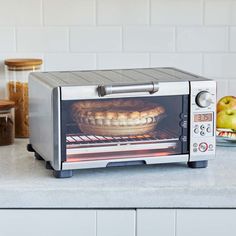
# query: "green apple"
[[226, 119], [228, 102]]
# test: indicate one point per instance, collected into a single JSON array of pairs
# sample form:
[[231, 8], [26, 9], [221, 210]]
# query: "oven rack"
[[86, 140]]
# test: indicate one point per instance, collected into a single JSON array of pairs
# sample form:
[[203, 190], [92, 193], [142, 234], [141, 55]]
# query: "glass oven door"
[[124, 128]]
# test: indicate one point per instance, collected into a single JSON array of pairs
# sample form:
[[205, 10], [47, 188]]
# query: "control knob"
[[204, 99]]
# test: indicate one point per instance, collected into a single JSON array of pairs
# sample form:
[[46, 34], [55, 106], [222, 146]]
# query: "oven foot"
[[63, 173], [198, 164], [48, 165], [30, 148], [38, 157]]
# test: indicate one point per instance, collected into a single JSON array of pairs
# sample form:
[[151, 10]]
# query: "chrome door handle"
[[104, 90]]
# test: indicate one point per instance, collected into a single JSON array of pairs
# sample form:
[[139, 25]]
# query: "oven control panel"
[[203, 125], [203, 112]]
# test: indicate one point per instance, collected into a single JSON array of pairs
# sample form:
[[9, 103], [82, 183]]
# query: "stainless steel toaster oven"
[[105, 118]]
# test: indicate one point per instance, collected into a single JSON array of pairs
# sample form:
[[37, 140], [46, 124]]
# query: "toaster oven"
[[106, 118]]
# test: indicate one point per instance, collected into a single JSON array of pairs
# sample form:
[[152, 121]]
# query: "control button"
[[211, 146], [202, 127], [196, 130], [204, 99], [184, 124], [183, 116], [203, 147], [195, 145], [202, 133], [209, 130], [195, 150]]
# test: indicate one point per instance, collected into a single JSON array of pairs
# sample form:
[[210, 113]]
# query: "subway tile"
[[148, 39], [233, 39], [73, 12], [220, 65], [23, 12], [95, 39], [188, 62], [202, 39], [7, 40], [122, 60], [69, 61], [187, 12], [50, 39], [221, 12], [118, 12], [232, 87], [222, 88]]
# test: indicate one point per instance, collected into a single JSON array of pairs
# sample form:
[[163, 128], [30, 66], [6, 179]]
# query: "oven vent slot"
[[126, 163]]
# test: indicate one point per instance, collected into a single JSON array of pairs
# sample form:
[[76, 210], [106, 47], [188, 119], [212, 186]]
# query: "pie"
[[116, 118]]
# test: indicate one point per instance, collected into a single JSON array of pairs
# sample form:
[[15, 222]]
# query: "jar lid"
[[23, 63], [6, 104]]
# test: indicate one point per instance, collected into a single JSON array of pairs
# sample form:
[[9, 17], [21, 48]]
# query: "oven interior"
[[166, 135]]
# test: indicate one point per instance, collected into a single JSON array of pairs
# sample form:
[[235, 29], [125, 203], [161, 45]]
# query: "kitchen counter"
[[25, 183]]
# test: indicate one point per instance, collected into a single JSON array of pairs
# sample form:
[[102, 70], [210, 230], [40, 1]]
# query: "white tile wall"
[[69, 61], [202, 39], [220, 65], [42, 39], [72, 12], [148, 39], [220, 12], [233, 39], [166, 12], [122, 60], [95, 39], [194, 35], [7, 40], [189, 62], [23, 12], [123, 12]]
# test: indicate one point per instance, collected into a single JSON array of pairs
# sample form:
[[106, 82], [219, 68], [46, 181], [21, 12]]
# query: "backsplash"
[[195, 35]]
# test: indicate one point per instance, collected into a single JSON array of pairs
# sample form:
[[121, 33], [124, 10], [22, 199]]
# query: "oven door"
[[123, 124]]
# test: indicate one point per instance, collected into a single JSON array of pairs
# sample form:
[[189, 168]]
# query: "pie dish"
[[116, 118]]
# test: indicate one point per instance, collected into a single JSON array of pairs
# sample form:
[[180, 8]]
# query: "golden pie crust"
[[117, 117]]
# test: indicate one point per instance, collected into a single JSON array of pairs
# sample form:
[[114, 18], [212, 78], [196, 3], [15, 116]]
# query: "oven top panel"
[[111, 77]]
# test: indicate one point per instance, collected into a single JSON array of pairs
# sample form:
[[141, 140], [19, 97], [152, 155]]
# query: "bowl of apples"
[[226, 121]]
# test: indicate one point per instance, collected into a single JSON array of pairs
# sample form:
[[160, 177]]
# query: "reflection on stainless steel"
[[119, 155]]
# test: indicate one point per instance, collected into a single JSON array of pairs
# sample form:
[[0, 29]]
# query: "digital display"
[[203, 117]]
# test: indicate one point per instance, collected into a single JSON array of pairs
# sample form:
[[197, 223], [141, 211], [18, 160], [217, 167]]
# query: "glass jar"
[[17, 72], [7, 129]]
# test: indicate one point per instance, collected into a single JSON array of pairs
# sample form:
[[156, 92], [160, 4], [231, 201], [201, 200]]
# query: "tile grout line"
[[96, 223], [203, 13], [149, 13], [175, 40], [96, 53], [203, 63], [16, 38], [122, 38], [175, 222], [96, 13], [229, 38], [42, 13]]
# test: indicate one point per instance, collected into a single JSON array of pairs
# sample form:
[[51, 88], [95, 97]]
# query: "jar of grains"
[[17, 72], [7, 129]]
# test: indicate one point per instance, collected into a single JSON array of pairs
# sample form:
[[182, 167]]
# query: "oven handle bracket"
[[104, 90]]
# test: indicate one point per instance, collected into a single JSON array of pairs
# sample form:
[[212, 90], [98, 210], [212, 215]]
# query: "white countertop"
[[25, 183]]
